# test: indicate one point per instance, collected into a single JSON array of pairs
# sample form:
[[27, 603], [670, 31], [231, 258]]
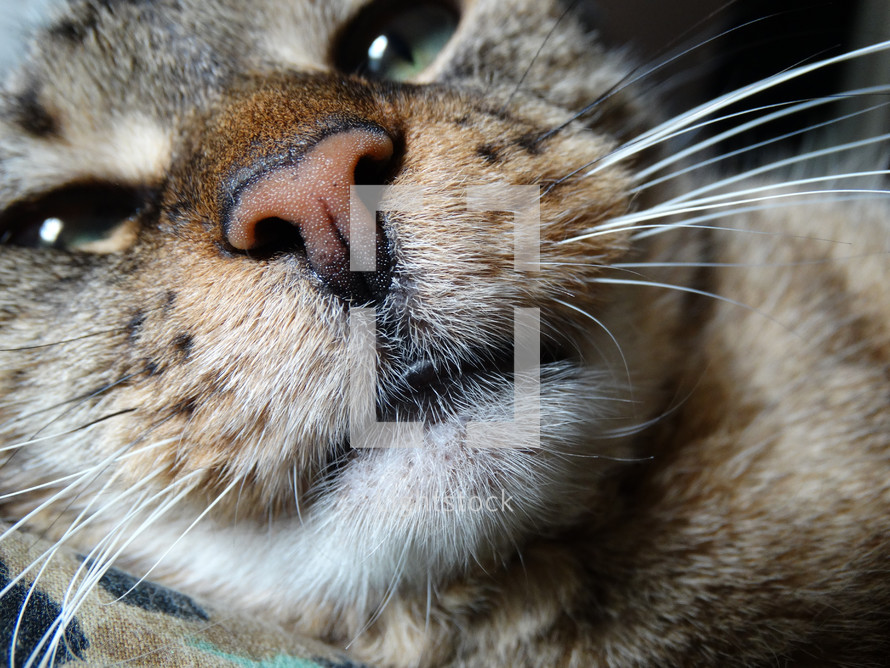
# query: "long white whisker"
[[694, 291], [39, 439], [21, 616], [603, 327], [77, 523], [745, 265], [46, 557], [54, 635], [725, 156], [103, 546], [48, 502], [633, 77], [715, 202], [390, 592], [97, 566], [51, 483], [779, 164], [660, 132], [642, 231], [191, 526], [676, 157]]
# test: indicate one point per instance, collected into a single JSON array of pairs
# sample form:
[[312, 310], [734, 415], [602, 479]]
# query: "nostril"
[[372, 171], [309, 206], [276, 235]]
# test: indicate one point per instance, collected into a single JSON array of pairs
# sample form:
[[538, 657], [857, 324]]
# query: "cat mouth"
[[450, 393], [435, 390]]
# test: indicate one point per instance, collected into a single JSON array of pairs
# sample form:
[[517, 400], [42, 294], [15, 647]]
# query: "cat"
[[691, 468]]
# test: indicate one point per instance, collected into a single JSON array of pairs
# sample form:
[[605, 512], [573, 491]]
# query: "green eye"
[[91, 218], [396, 43]]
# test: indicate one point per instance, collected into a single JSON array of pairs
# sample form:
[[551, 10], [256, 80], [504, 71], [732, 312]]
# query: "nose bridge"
[[281, 112], [271, 121]]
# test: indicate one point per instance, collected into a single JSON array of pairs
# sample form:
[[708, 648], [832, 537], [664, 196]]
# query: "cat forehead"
[[163, 53], [108, 85]]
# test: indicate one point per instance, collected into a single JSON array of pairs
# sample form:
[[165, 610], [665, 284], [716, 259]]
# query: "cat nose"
[[308, 205]]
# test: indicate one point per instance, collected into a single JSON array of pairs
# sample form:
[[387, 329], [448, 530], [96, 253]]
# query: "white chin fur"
[[410, 517]]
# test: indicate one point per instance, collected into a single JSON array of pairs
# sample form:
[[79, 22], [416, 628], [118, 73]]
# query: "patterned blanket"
[[127, 622]]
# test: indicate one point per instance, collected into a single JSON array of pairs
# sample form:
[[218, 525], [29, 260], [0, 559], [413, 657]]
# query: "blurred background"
[[753, 39]]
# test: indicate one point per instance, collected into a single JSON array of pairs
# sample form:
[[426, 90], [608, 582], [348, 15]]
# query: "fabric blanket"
[[127, 622]]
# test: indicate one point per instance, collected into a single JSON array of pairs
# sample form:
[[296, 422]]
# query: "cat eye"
[[96, 219], [396, 42]]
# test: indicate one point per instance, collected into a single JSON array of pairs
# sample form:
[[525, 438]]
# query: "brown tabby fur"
[[747, 525]]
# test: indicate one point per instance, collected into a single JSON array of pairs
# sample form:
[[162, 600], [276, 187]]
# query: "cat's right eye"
[[396, 41], [90, 218]]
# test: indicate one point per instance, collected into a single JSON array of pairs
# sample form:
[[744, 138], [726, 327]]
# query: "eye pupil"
[[386, 53], [400, 42]]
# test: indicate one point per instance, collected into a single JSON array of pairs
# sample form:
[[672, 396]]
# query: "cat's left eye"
[[89, 218], [396, 42]]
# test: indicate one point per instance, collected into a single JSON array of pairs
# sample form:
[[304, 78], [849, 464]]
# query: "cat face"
[[177, 312]]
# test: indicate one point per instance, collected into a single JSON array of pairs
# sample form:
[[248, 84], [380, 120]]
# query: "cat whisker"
[[61, 342], [429, 603], [47, 437], [51, 500], [745, 265], [534, 59], [714, 202], [127, 454], [663, 131], [186, 531], [694, 223], [766, 198], [103, 547], [694, 291], [679, 133], [98, 555], [676, 403], [612, 458], [779, 164], [91, 473], [37, 346], [34, 488], [83, 427], [390, 592], [78, 401], [830, 198], [21, 616], [574, 264], [680, 155], [293, 480], [44, 559], [605, 329], [109, 549], [796, 106], [635, 75], [86, 426]]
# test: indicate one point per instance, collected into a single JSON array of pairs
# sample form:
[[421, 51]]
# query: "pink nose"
[[313, 196]]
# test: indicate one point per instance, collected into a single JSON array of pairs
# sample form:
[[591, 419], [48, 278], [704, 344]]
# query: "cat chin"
[[401, 517]]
